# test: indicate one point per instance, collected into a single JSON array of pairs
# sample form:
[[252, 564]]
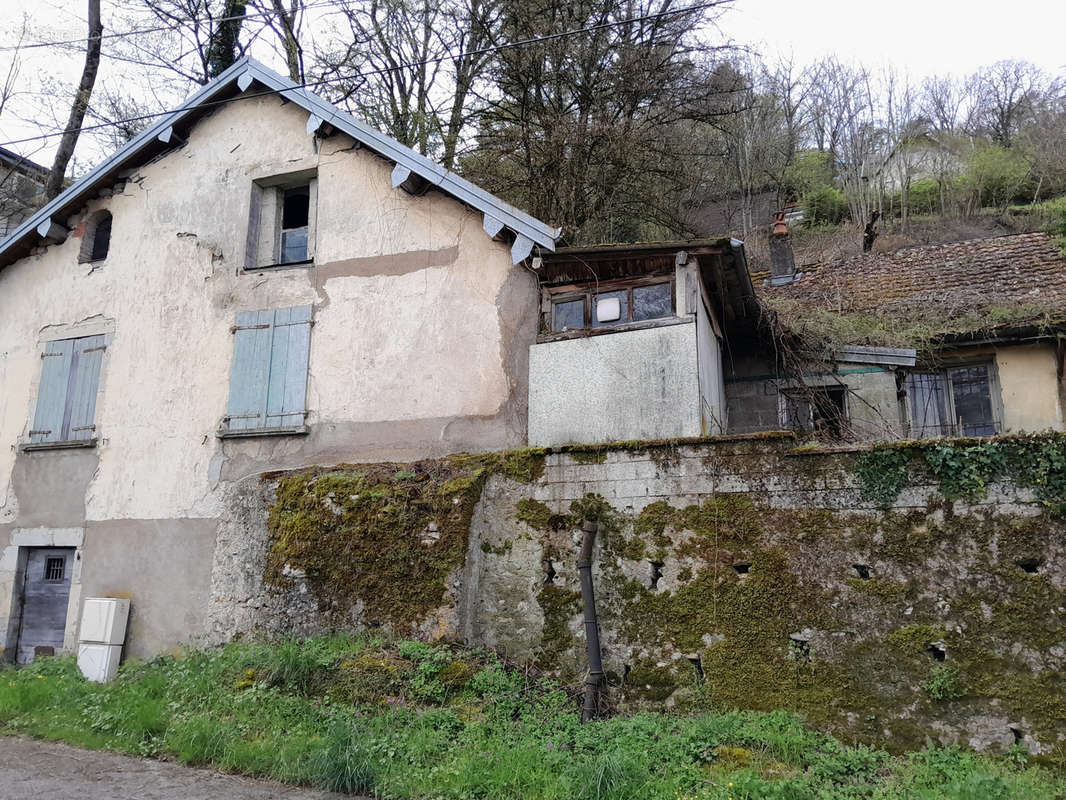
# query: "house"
[[631, 340], [959, 339], [21, 189], [256, 282]]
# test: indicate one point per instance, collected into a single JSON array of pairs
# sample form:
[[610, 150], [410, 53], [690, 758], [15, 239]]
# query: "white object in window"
[[282, 222], [608, 309]]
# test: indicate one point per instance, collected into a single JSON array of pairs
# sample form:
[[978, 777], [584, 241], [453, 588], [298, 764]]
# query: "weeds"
[[446, 723]]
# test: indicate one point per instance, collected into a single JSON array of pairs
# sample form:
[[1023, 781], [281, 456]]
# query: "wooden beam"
[[521, 248], [244, 81], [52, 231], [492, 225], [314, 122], [404, 178], [171, 137]]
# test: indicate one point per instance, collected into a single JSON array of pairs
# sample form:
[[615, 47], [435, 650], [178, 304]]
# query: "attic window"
[[97, 239], [605, 305], [282, 221]]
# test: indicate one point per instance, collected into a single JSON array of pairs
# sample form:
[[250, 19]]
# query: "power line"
[[311, 84], [176, 26]]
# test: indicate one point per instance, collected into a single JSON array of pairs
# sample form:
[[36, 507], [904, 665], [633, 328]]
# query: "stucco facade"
[[419, 346]]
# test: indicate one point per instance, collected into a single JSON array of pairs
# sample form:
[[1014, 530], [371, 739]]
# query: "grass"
[[357, 715]]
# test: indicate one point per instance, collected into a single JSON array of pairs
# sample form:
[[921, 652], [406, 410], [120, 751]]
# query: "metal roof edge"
[[463, 190], [448, 182], [132, 148]]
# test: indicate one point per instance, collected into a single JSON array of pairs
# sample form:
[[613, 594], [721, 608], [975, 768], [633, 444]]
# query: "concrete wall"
[[800, 628], [1030, 385], [419, 347], [637, 384]]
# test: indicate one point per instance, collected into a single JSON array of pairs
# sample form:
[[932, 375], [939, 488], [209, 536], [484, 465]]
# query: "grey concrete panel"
[[640, 384], [162, 566]]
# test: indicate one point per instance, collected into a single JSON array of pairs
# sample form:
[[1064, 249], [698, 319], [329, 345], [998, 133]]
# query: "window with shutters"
[[281, 227], [66, 397], [268, 379]]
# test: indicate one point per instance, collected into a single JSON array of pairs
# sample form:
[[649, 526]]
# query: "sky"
[[918, 37]]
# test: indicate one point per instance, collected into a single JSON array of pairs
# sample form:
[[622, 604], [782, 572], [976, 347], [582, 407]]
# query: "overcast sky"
[[920, 37]]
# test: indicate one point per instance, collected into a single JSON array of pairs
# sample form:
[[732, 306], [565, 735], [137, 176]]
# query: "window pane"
[[293, 246], [623, 301], [973, 400], [652, 302], [928, 408], [568, 315], [294, 211], [101, 239]]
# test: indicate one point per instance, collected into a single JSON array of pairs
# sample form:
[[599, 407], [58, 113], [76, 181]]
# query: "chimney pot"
[[782, 259]]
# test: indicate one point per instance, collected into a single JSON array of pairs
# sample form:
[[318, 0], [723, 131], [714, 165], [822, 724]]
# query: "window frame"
[[587, 292], [263, 251], [255, 321], [77, 369], [86, 255], [795, 394], [942, 372]]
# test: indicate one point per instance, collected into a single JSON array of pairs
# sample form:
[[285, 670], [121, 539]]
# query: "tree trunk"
[[80, 105], [224, 49]]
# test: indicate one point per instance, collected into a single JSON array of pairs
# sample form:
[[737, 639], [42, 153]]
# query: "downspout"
[[592, 629]]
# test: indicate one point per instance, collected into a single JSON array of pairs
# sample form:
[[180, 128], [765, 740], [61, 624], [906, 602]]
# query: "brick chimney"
[[782, 260]]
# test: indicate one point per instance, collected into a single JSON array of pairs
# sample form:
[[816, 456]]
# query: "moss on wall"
[[383, 536]]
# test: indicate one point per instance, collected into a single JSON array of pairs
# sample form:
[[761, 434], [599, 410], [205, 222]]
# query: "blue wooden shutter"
[[268, 382], [287, 389], [52, 394], [251, 370], [78, 424]]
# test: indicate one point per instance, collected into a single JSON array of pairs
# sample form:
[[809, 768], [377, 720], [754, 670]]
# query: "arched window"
[[97, 239]]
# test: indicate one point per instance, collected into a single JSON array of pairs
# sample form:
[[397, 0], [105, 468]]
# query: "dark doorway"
[[45, 592]]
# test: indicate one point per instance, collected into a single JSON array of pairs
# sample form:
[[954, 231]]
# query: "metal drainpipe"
[[592, 627]]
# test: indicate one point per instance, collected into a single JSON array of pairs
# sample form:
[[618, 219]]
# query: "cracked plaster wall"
[[421, 336]]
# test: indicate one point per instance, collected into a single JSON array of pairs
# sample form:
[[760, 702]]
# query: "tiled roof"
[[1016, 270]]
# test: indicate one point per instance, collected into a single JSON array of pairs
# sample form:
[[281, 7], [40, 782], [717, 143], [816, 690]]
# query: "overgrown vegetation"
[[385, 535], [964, 468], [413, 720]]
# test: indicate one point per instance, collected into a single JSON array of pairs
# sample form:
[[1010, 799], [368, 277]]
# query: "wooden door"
[[46, 590]]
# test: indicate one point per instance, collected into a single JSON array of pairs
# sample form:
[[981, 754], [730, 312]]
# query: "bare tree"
[[285, 22], [81, 102], [409, 67], [590, 131], [1006, 94]]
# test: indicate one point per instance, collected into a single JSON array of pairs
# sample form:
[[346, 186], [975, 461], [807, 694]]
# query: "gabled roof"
[[23, 165], [1019, 269], [412, 171]]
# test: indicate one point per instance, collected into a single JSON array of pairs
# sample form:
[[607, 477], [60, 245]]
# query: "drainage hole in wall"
[[799, 649], [742, 568], [862, 570], [938, 651], [549, 572], [656, 573], [1030, 565], [558, 522], [1017, 733], [697, 664]]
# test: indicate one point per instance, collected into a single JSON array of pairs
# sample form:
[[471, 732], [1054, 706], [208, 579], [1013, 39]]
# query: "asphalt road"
[[30, 769]]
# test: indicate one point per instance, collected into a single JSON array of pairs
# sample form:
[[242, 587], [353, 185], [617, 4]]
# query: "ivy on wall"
[[964, 468]]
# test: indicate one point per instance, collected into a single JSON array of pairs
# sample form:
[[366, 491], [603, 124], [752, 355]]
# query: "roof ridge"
[[48, 222]]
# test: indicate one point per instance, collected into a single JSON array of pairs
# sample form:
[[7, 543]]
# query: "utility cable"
[[325, 81]]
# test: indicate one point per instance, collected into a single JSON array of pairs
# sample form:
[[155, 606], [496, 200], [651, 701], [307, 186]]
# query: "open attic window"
[[281, 225], [96, 242]]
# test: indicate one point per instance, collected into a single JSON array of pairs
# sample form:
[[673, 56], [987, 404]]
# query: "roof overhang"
[[722, 264], [411, 171]]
